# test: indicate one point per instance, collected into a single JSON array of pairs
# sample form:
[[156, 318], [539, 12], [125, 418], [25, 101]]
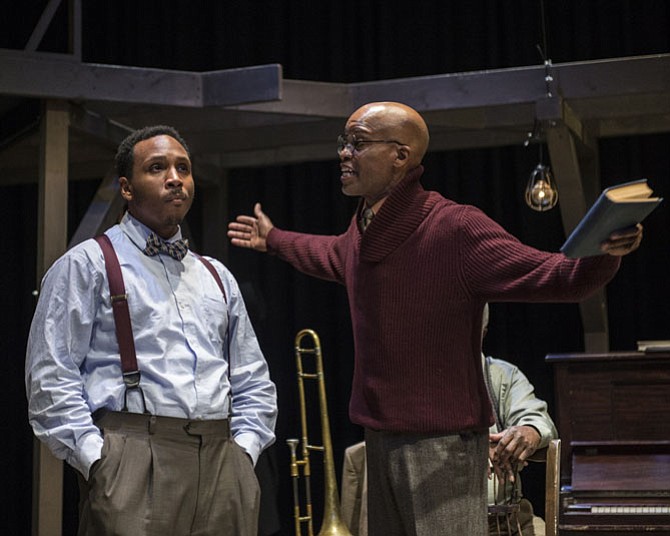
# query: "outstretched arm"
[[251, 231]]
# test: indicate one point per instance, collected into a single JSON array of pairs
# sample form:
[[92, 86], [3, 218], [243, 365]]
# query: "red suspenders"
[[124, 331]]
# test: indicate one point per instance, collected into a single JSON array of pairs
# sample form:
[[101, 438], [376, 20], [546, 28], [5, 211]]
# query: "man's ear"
[[402, 156], [126, 189]]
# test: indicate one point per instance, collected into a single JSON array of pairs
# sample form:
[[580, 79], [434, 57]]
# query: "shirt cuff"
[[88, 451], [250, 443]]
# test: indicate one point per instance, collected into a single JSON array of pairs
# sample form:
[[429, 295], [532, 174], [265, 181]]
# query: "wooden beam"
[[60, 76], [42, 25], [51, 243], [103, 211], [576, 170], [75, 28]]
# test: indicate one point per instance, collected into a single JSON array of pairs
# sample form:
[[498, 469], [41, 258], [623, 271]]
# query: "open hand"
[[250, 231]]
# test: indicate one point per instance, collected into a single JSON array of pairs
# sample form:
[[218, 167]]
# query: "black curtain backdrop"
[[351, 41]]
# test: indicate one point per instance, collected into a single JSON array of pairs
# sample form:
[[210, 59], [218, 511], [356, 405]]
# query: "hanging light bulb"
[[541, 192]]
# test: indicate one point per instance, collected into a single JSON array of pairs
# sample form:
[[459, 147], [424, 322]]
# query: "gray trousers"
[[161, 476], [427, 485]]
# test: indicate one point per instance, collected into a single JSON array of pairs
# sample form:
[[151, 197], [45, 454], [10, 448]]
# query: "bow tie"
[[177, 249]]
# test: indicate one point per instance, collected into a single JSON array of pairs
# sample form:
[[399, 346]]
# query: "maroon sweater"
[[417, 281]]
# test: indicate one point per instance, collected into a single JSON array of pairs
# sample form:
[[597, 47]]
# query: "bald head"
[[395, 121]]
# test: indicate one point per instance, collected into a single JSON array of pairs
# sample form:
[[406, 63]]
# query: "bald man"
[[418, 269]]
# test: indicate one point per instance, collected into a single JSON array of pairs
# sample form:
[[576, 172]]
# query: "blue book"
[[617, 207]]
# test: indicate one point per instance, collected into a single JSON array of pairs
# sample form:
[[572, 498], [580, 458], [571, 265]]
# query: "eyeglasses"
[[354, 145]]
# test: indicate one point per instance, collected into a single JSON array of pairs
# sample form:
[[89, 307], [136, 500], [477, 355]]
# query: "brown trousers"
[[161, 476]]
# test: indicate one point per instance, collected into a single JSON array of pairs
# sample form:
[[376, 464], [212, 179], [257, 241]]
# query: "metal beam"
[[51, 243]]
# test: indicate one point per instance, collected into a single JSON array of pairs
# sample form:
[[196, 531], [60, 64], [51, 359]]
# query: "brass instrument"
[[332, 521]]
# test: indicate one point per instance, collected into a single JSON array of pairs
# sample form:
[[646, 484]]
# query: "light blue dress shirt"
[[179, 322]]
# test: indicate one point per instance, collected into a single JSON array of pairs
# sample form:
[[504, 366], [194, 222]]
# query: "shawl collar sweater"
[[417, 281]]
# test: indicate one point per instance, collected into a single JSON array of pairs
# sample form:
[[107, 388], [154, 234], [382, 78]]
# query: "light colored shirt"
[[179, 320], [515, 404]]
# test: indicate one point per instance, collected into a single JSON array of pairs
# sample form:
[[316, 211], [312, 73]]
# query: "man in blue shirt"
[[174, 453]]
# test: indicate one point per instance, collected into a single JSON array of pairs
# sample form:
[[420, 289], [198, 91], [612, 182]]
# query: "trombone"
[[332, 524]]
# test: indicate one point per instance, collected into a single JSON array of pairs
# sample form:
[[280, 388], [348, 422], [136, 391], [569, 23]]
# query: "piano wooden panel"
[[613, 417]]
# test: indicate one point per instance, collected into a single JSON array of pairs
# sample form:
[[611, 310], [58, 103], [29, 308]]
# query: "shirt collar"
[[138, 232], [402, 212]]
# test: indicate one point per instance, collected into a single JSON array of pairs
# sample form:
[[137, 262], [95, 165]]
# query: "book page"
[[635, 191]]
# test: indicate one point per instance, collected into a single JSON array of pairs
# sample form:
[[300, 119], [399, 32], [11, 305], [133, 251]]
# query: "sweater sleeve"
[[319, 256], [497, 266]]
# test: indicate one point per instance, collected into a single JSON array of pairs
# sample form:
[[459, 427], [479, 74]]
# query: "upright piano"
[[613, 418]]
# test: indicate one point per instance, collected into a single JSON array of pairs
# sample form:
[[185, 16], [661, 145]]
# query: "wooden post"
[[576, 168], [51, 244]]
